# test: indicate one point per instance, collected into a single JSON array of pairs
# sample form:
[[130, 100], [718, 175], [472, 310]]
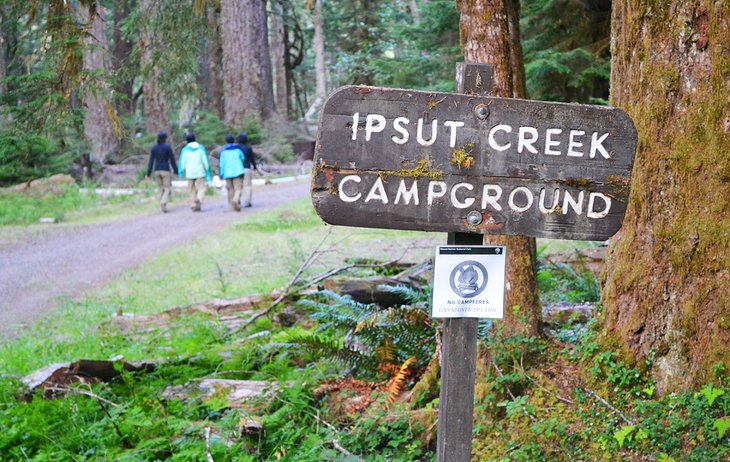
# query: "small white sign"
[[468, 281]]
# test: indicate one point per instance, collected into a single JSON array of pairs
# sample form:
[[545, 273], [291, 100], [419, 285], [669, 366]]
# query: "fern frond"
[[396, 384], [386, 352]]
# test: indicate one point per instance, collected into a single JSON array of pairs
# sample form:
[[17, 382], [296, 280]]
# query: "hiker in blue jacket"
[[232, 170], [163, 160], [195, 168], [249, 162]]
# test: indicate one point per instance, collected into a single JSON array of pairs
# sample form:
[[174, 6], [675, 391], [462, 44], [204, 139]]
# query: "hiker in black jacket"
[[249, 163], [163, 159]]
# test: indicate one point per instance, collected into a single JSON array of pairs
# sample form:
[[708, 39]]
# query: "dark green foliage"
[[566, 49], [26, 157], [561, 283], [370, 335]]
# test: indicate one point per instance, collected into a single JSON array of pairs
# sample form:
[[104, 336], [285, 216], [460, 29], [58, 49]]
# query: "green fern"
[[384, 336]]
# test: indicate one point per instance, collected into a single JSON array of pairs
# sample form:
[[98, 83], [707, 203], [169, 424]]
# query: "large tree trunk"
[[212, 67], [246, 61], [490, 35], [278, 52], [101, 125], [155, 103], [124, 103], [667, 291]]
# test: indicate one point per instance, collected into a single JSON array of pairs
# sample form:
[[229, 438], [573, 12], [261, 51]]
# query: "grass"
[[255, 256], [549, 414]]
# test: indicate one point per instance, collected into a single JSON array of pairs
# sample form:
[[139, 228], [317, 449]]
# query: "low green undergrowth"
[[70, 206]]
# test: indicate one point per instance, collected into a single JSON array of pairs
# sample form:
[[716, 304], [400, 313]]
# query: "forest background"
[[645, 380], [104, 77]]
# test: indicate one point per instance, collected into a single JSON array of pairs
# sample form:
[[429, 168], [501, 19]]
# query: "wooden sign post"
[[459, 335], [470, 164]]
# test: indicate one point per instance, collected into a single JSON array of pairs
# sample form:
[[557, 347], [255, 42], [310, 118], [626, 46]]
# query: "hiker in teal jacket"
[[232, 170], [195, 168]]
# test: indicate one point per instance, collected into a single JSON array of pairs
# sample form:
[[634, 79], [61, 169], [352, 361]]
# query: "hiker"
[[195, 168], [232, 170], [249, 163], [163, 159]]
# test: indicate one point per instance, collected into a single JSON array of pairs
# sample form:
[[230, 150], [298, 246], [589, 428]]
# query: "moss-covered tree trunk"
[[667, 288], [102, 128], [152, 62], [490, 34]]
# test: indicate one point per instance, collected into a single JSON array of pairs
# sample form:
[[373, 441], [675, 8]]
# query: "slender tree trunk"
[[490, 35], [667, 291], [278, 52], [155, 103], [3, 72], [246, 61], [124, 102], [319, 63], [101, 125], [213, 67]]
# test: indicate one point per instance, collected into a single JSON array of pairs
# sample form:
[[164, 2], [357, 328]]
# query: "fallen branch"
[[208, 455], [509, 392], [608, 405], [79, 391], [344, 451]]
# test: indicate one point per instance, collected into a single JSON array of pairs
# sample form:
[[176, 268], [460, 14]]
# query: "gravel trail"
[[38, 272]]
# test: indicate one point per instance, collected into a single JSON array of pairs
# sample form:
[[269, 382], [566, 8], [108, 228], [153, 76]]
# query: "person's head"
[[190, 137], [229, 139], [243, 137], [161, 137]]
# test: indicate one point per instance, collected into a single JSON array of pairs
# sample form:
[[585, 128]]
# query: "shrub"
[[27, 157]]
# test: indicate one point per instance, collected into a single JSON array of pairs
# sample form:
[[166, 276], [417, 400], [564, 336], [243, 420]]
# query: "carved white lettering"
[[407, 194], [573, 144], [524, 142], [550, 142], [556, 201], [493, 141], [596, 145], [591, 203], [398, 126], [341, 188], [528, 195], [377, 192], [419, 132], [433, 193], [374, 123], [468, 201], [575, 204], [453, 124], [491, 199]]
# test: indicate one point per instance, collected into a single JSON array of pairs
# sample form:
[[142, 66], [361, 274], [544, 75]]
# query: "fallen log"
[[370, 290]]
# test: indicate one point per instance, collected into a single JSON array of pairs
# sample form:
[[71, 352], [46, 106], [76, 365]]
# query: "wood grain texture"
[[338, 155]]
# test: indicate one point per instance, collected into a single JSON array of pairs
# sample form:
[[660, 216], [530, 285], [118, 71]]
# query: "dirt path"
[[38, 272]]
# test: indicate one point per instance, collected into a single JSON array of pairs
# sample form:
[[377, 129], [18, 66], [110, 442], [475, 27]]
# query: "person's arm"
[[181, 165], [151, 162], [207, 164], [172, 159], [222, 166]]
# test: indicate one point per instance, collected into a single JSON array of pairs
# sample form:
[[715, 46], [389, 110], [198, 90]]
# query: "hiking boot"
[[236, 207], [247, 205], [163, 207]]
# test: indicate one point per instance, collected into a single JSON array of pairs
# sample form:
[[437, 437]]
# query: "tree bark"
[[124, 102], [101, 125], [213, 67], [246, 61], [278, 53], [155, 103], [667, 288], [490, 34], [320, 69]]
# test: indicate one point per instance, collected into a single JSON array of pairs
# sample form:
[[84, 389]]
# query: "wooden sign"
[[404, 159]]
